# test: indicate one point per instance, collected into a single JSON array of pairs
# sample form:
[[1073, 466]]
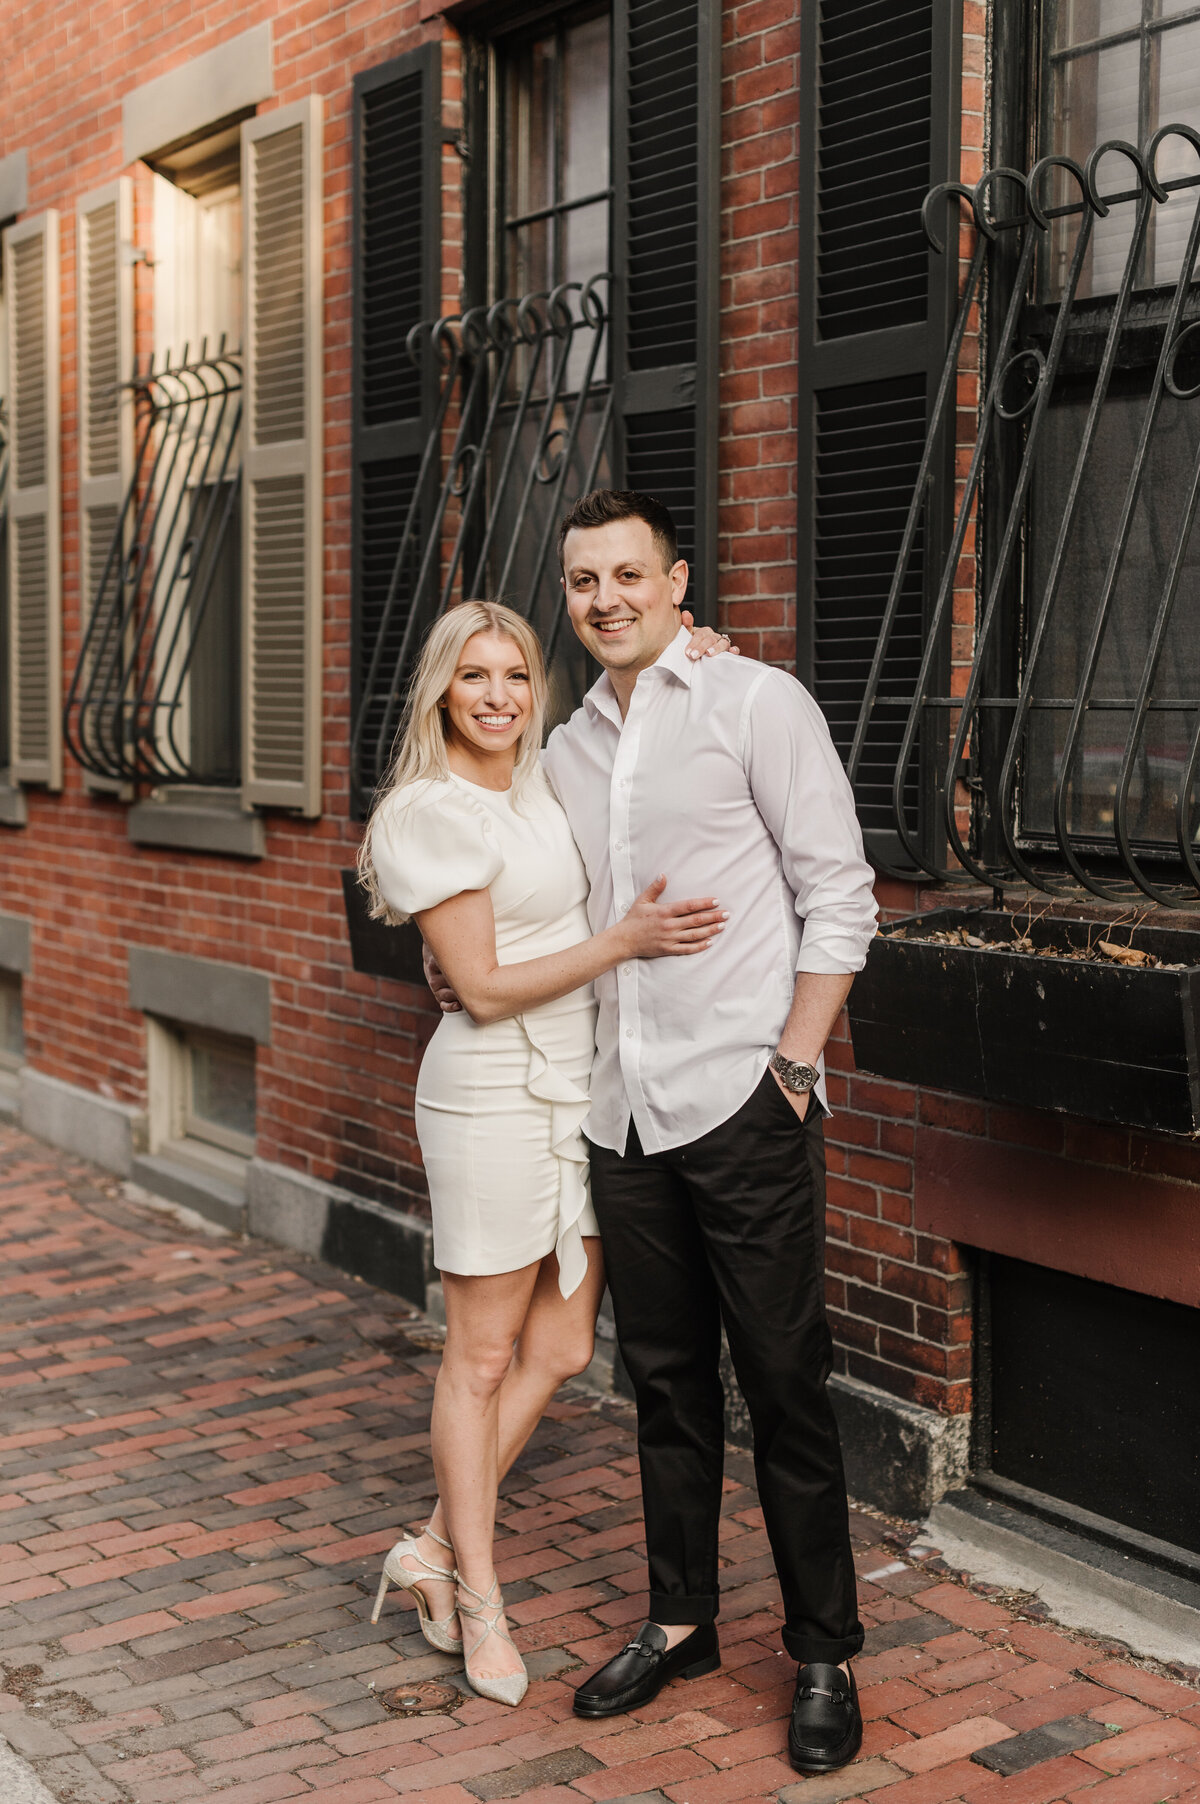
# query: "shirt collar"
[[601, 698]]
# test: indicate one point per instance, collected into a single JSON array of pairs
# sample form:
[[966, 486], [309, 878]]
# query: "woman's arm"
[[461, 932]]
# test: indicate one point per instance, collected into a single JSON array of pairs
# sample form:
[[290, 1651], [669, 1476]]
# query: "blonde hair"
[[421, 740]]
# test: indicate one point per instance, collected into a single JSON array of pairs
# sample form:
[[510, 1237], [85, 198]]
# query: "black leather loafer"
[[639, 1672], [826, 1728]]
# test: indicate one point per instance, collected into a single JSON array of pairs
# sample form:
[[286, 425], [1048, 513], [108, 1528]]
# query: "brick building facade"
[[173, 935]]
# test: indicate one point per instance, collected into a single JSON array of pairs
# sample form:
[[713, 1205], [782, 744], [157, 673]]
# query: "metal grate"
[[874, 111], [1069, 745], [513, 438], [158, 574], [663, 218]]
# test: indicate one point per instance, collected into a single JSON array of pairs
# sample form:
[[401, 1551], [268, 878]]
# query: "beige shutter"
[[34, 533], [104, 309], [281, 538]]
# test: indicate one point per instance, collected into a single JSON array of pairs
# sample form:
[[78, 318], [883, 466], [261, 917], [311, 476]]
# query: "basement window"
[[12, 1028], [203, 1099]]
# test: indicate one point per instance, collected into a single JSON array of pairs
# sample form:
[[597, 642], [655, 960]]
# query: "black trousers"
[[732, 1228]]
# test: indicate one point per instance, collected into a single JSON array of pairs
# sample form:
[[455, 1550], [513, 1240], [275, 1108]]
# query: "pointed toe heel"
[[505, 1688]]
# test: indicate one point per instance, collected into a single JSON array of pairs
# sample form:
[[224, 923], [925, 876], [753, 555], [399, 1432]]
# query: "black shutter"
[[666, 174], [396, 284], [879, 126]]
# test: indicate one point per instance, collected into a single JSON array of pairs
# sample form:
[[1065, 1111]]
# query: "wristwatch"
[[793, 1074]]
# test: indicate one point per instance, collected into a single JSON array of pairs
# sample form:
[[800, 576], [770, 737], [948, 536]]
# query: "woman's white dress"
[[500, 1107]]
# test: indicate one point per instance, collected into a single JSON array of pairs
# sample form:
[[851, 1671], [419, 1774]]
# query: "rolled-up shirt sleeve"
[[804, 796]]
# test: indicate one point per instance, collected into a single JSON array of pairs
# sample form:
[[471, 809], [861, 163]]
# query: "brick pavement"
[[206, 1445]]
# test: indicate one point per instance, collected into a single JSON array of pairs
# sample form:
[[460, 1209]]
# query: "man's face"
[[623, 604]]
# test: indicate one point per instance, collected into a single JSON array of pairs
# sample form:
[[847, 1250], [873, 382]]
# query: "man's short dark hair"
[[603, 506]]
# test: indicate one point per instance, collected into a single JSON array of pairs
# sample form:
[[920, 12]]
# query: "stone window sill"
[[198, 820]]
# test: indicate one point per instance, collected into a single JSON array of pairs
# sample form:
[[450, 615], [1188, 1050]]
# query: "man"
[[707, 1163]]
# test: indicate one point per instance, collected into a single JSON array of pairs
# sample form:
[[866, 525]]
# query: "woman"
[[469, 842]]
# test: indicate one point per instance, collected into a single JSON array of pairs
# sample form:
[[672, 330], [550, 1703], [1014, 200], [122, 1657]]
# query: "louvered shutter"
[[879, 126], [666, 219], [397, 169], [34, 517], [282, 574], [104, 282]]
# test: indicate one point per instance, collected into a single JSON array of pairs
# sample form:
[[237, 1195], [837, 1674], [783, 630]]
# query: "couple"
[[698, 1082]]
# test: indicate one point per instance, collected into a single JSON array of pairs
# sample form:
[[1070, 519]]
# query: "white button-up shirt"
[[724, 776]]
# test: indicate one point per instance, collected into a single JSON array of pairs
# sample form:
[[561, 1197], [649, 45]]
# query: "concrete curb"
[[19, 1784], [1157, 1617]]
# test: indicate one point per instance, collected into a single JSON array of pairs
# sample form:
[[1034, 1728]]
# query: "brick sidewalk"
[[207, 1446]]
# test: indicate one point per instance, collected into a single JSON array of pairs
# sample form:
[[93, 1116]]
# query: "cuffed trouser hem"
[[805, 1650], [670, 1612]]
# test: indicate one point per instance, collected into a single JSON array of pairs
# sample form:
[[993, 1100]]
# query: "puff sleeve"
[[431, 841]]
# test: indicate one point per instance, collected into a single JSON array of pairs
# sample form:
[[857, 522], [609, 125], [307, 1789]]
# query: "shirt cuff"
[[833, 954]]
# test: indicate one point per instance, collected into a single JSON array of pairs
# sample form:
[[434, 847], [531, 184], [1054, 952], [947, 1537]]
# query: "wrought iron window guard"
[[129, 708], [976, 824], [523, 409]]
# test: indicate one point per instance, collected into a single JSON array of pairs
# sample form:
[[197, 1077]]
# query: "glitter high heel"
[[505, 1688], [436, 1630]]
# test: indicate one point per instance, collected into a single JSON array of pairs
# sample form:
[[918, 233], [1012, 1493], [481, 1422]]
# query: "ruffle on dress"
[[568, 1110]]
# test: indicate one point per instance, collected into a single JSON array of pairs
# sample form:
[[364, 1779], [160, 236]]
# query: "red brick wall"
[[335, 1086]]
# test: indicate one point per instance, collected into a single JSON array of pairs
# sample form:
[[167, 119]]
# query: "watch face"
[[796, 1076]]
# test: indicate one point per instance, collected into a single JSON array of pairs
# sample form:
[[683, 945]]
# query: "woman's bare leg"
[[554, 1343]]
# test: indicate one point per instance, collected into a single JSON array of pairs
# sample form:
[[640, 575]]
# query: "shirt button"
[[618, 845], [629, 1033], [626, 970], [624, 782]]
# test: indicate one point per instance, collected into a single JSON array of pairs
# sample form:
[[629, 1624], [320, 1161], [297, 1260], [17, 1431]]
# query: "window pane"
[[12, 1033], [1178, 103], [1093, 98], [530, 269], [1082, 21], [586, 109], [530, 129], [223, 1085]]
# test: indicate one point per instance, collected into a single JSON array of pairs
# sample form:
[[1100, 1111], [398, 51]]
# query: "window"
[[1120, 69], [202, 1099], [12, 1028], [554, 140], [471, 438], [1047, 722], [1113, 69], [201, 663]]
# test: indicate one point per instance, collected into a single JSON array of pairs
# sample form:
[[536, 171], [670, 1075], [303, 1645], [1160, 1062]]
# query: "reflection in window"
[[1121, 69]]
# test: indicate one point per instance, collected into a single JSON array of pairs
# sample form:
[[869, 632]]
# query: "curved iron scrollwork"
[[133, 712], [1010, 722], [523, 418]]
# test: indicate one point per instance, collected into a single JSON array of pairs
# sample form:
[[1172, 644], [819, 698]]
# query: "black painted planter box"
[[1110, 1042], [376, 949]]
